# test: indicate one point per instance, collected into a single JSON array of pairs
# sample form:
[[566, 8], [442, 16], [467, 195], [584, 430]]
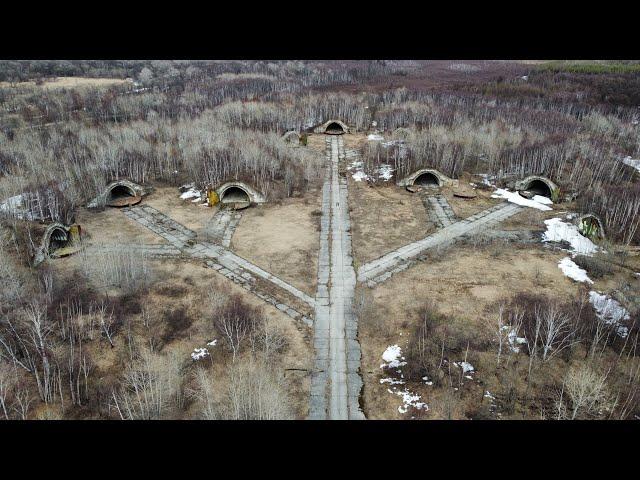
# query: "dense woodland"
[[206, 122]]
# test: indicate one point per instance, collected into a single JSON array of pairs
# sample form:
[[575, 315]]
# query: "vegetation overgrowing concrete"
[[406, 240]]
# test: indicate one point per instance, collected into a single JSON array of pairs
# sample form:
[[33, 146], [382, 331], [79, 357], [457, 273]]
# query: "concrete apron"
[[335, 382]]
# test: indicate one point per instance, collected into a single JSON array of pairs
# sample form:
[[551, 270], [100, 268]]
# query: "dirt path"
[[335, 382]]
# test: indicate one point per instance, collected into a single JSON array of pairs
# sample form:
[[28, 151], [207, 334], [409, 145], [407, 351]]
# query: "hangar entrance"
[[236, 196], [538, 187], [590, 226], [58, 241], [426, 179], [334, 129], [122, 196]]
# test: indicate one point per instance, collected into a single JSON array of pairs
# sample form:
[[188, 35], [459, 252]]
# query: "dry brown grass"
[[283, 239], [462, 283], [69, 82], [384, 218]]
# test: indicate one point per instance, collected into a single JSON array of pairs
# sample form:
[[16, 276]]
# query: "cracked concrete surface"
[[335, 382], [438, 209], [222, 226]]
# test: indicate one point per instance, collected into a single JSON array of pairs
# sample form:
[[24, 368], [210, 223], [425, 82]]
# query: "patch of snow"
[[609, 311], [375, 137], [393, 359], [542, 199], [385, 172], [192, 193], [374, 124], [558, 231], [487, 179], [410, 400], [16, 207], [213, 342], [466, 366], [393, 356], [573, 271], [516, 198], [427, 381], [199, 353], [359, 176], [513, 338], [392, 381], [632, 162], [390, 143], [488, 395]]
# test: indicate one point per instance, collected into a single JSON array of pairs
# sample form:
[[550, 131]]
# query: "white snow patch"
[[513, 338], [375, 137], [488, 179], [359, 176], [393, 359], [192, 192], [410, 399], [16, 207], [609, 311], [632, 162], [557, 231], [466, 366], [385, 172], [199, 353], [393, 356], [542, 199], [392, 381], [573, 271], [213, 342], [515, 197]]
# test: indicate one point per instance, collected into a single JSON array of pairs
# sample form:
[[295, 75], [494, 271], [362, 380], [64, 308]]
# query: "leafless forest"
[[85, 342]]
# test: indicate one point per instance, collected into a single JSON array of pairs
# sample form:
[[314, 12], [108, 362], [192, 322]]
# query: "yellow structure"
[[212, 197]]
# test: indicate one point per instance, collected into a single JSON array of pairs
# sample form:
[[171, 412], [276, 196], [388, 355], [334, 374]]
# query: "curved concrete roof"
[[136, 190], [595, 217], [43, 250], [525, 183], [323, 128], [291, 136], [443, 180], [254, 195]]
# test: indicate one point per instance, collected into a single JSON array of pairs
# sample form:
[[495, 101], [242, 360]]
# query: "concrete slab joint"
[[335, 381]]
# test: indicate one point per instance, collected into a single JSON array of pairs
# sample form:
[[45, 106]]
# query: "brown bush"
[[176, 321], [595, 266]]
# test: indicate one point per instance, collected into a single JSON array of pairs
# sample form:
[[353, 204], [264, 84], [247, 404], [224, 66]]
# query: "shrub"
[[236, 322], [113, 266], [176, 321], [595, 266]]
